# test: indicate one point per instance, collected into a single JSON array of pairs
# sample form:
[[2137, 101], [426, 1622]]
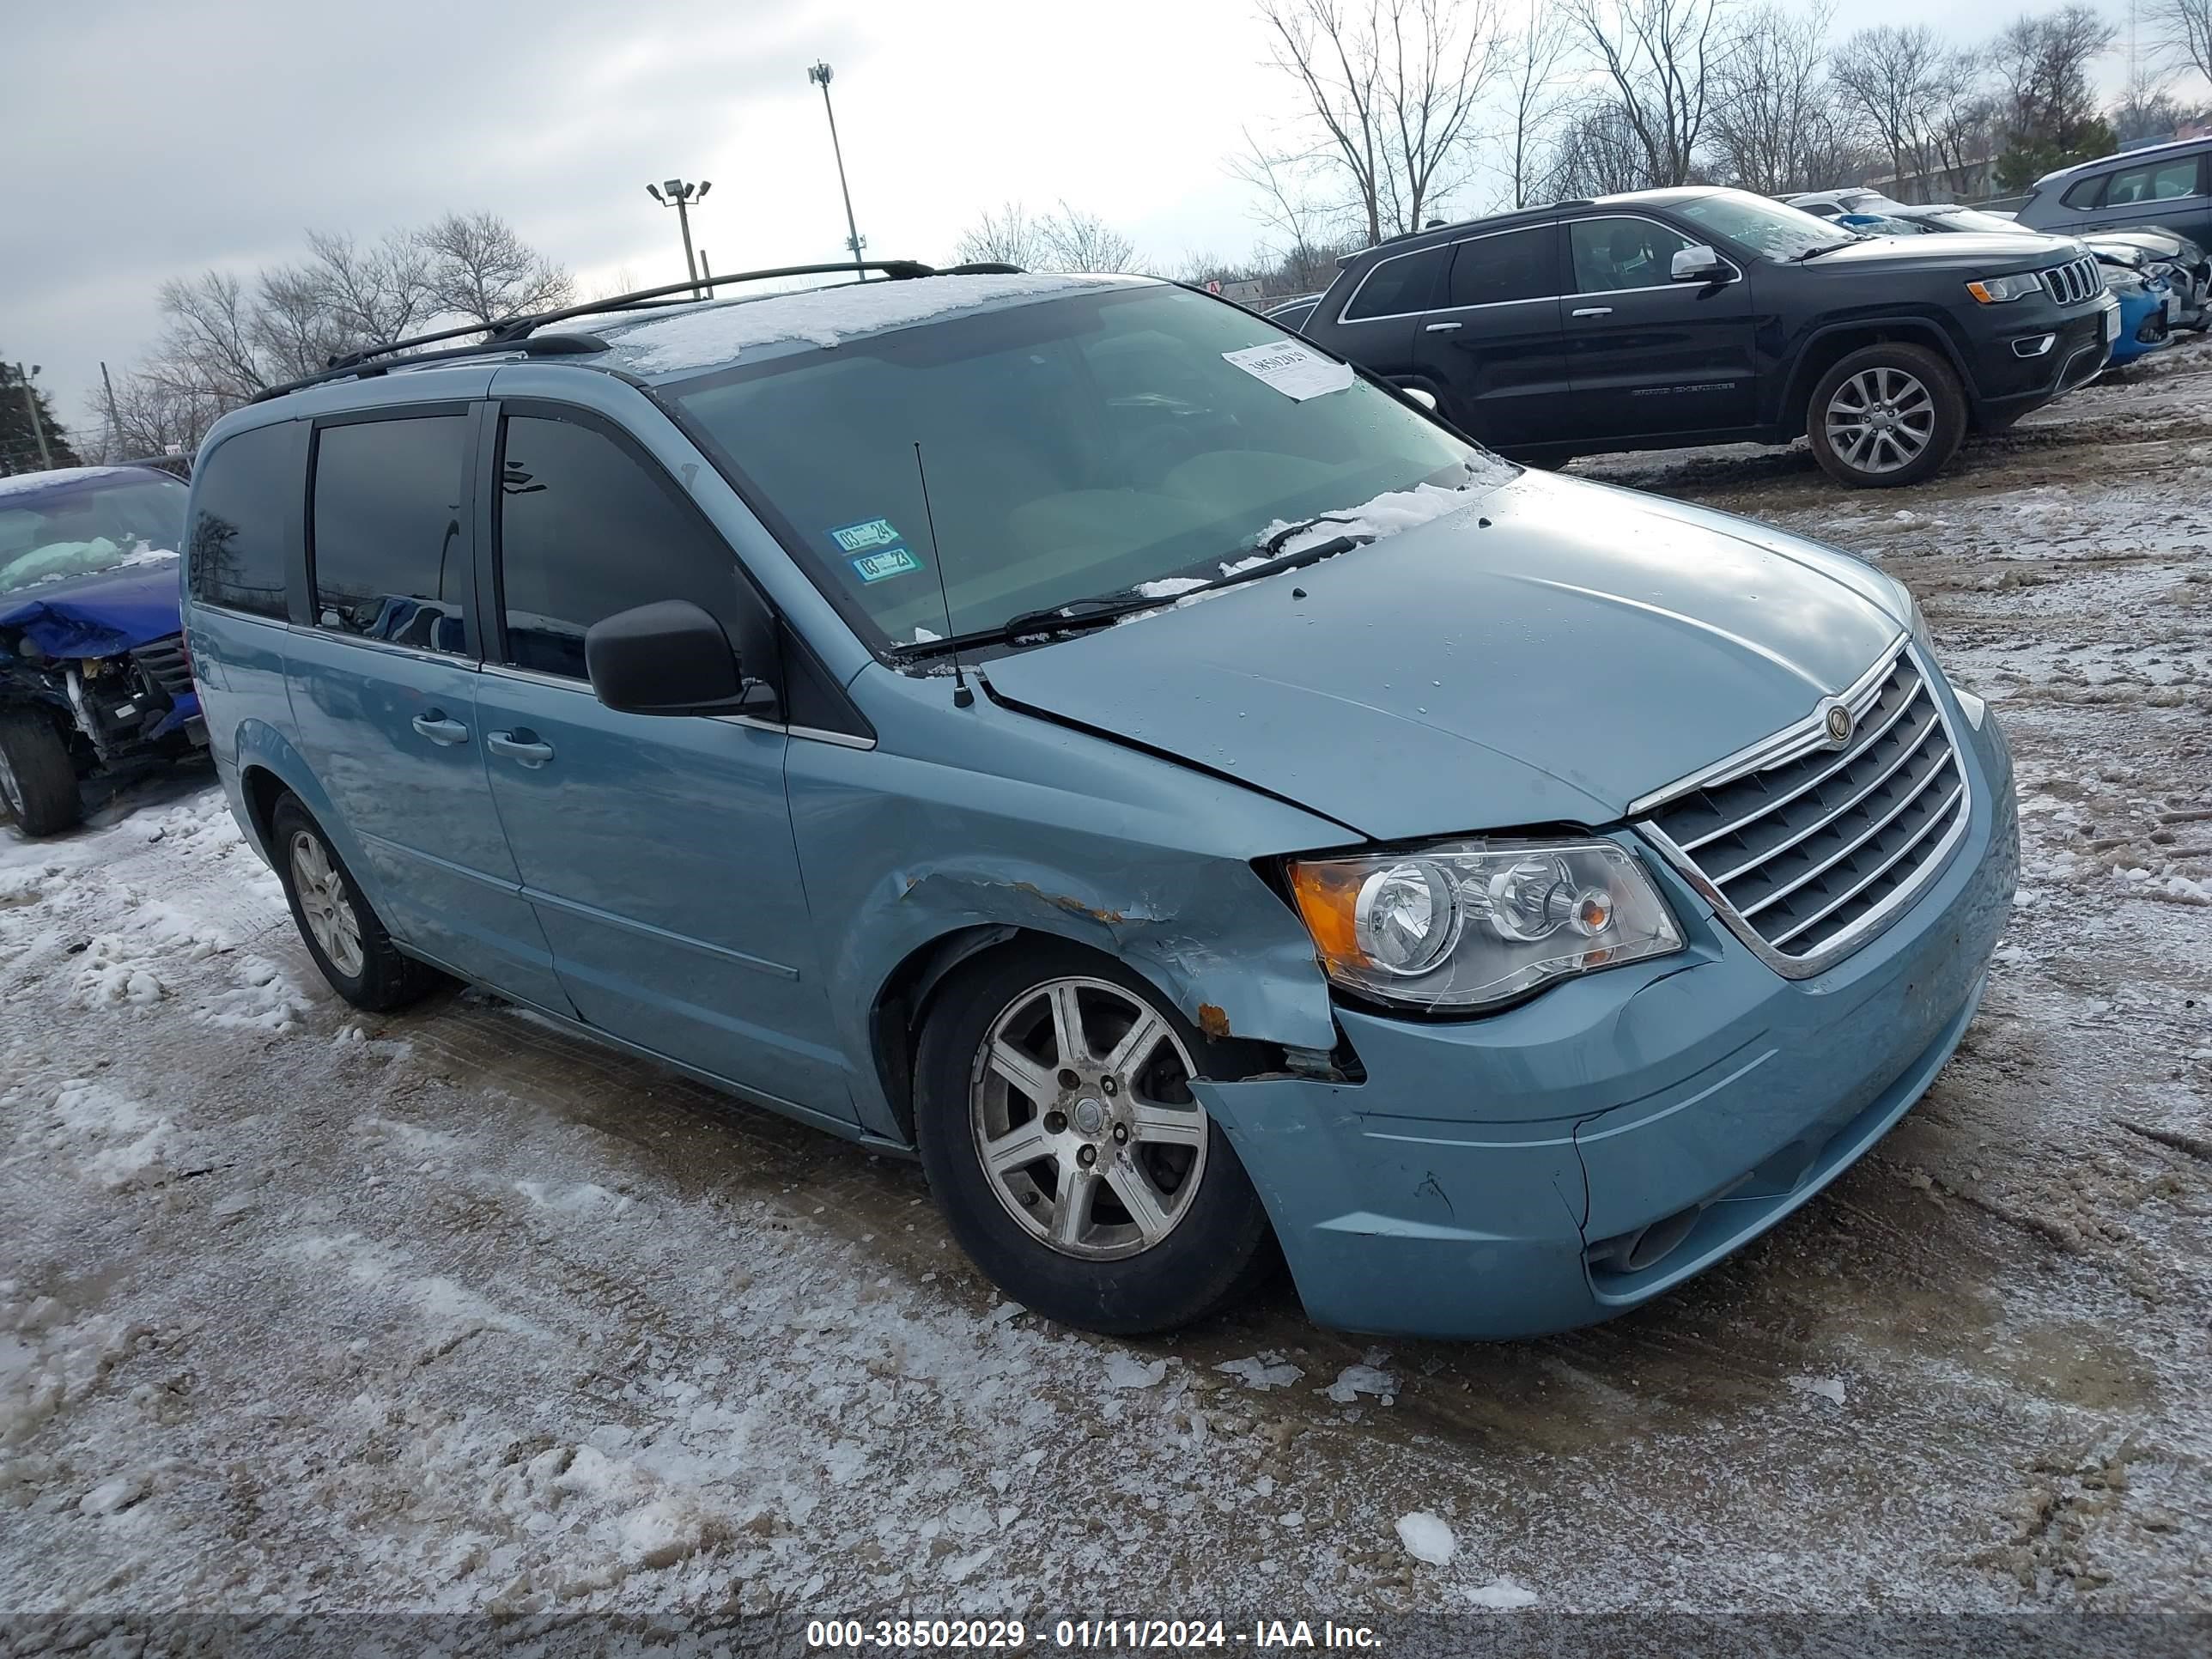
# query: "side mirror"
[[1698, 263], [669, 658], [1421, 395]]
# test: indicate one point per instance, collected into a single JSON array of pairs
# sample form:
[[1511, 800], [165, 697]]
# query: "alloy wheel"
[[1080, 1105], [1881, 419], [323, 902]]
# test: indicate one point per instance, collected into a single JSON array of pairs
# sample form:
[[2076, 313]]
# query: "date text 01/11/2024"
[[1107, 1634]]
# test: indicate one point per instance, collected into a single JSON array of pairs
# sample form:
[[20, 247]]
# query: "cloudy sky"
[[165, 139]]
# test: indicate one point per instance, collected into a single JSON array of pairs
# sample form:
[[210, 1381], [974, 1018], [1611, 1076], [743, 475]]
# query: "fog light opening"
[[2034, 345]]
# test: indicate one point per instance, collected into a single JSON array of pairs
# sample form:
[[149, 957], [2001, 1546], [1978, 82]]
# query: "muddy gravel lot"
[[303, 1309]]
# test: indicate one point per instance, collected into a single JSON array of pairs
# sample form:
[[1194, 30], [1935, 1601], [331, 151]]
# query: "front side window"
[[2163, 182], [585, 530], [1613, 254], [99, 521], [391, 548], [1771, 230], [1120, 439], [247, 490], [1515, 265], [1394, 287]]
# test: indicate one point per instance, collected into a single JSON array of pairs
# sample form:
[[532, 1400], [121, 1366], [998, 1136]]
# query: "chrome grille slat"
[[1806, 857], [1840, 763], [1941, 815], [1942, 765], [2075, 281]]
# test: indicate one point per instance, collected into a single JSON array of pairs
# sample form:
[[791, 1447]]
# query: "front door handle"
[[432, 724], [1591, 311], [520, 746], [1440, 328]]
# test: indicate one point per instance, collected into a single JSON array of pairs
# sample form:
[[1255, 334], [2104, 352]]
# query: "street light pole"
[[680, 195], [819, 76], [31, 404]]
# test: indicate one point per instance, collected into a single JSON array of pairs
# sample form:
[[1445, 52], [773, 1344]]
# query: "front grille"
[[167, 665], [1804, 853], [2075, 281]]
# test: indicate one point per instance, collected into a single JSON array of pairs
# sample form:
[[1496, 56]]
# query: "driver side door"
[[1648, 356]]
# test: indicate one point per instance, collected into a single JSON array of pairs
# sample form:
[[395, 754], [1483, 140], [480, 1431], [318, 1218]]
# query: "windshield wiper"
[[1103, 610], [1825, 247]]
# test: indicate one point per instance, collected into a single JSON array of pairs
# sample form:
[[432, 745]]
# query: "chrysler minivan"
[[1067, 730]]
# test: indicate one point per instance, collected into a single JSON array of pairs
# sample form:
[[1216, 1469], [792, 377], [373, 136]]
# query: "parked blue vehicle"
[[93, 675], [1068, 730]]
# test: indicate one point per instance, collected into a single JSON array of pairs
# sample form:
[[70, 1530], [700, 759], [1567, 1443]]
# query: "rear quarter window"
[[1408, 283], [2084, 192], [246, 502]]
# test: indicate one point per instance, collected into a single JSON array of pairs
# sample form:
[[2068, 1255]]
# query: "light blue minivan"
[[1071, 732]]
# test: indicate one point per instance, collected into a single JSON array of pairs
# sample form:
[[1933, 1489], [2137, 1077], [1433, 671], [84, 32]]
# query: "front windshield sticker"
[[890, 562], [865, 536], [1293, 370]]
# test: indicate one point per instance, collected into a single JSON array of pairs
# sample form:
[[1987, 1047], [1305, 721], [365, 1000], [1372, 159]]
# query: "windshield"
[[1968, 219], [89, 525], [1773, 230], [1076, 447]]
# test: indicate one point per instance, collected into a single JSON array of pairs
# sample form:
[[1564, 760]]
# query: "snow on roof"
[[24, 483], [699, 337]]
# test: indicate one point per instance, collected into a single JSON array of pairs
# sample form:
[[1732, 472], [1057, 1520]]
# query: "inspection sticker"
[[888, 562], [1295, 372], [863, 537]]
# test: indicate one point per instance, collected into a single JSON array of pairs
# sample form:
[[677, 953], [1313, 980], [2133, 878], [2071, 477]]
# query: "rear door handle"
[[520, 746], [432, 724], [1440, 328], [1591, 311]]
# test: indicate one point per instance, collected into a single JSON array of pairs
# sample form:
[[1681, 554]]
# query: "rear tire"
[[1886, 415], [341, 931], [38, 779], [1054, 1230]]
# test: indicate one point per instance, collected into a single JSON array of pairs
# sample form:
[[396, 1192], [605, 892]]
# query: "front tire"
[[1886, 415], [1064, 1146], [38, 779], [341, 931]]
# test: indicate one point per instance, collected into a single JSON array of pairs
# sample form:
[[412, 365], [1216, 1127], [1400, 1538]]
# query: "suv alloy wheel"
[[1884, 416]]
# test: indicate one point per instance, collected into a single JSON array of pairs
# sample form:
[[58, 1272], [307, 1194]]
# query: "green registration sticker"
[[865, 536], [890, 562]]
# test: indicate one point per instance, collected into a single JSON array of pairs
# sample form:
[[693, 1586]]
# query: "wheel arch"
[[1830, 345]]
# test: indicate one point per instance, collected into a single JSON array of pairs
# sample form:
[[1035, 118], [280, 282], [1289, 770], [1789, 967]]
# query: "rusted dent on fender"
[[1213, 1021]]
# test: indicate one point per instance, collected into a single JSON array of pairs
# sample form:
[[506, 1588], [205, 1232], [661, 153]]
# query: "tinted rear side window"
[[2084, 192], [585, 530], [1410, 282], [391, 558], [243, 502], [1516, 265]]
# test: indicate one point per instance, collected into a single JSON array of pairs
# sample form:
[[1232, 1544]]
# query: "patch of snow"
[[719, 331], [1427, 1538], [1126, 1371], [1355, 1380], [1167, 587], [1830, 1388], [1258, 1373], [1499, 1594]]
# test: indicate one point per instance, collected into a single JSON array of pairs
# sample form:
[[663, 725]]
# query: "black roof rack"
[[516, 333]]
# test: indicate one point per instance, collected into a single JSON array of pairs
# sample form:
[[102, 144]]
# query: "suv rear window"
[[241, 501], [391, 556], [1515, 265], [2084, 192], [1394, 287]]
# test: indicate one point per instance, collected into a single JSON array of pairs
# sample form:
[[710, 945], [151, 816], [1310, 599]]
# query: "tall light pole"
[[680, 195], [31, 405], [819, 76]]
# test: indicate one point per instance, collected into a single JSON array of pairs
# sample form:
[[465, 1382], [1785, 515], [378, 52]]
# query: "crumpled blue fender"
[[102, 616]]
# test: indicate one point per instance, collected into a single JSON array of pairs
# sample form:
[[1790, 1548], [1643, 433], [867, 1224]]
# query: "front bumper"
[[2008, 384], [1494, 1177]]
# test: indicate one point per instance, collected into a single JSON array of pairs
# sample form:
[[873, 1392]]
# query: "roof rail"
[[513, 333]]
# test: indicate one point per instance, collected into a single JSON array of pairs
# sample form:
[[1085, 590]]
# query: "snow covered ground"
[[299, 1309]]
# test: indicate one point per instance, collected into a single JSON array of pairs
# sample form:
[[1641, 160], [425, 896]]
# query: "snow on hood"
[[702, 336]]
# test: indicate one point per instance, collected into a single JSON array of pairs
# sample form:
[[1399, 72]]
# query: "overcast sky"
[[155, 139]]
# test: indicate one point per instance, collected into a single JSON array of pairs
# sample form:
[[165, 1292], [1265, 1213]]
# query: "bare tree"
[[1308, 233], [1391, 87], [2048, 102], [2185, 29], [1775, 125], [379, 293], [1922, 99], [1663, 58], [480, 271], [1598, 153], [1074, 240], [1008, 237], [1536, 78]]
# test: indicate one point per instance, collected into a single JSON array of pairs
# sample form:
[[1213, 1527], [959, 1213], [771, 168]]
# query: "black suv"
[[1672, 317]]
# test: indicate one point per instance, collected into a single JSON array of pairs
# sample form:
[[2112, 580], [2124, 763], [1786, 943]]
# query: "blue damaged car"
[[1069, 731], [93, 675]]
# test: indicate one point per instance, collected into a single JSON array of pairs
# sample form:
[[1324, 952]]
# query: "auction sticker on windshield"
[[1293, 370]]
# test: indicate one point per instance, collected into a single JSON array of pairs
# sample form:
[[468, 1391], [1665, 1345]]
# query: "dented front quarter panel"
[[982, 818]]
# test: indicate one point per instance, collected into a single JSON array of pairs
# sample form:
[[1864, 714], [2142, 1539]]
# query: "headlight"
[[1463, 924], [1995, 290], [2162, 270]]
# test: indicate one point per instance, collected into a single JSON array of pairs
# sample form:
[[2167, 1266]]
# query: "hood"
[[1981, 250], [101, 615], [1545, 654]]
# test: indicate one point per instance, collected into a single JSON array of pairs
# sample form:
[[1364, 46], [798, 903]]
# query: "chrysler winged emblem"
[[1836, 721]]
